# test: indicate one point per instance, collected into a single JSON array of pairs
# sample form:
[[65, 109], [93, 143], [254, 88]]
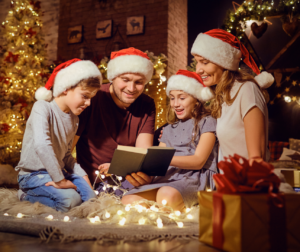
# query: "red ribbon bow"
[[11, 57], [240, 177]]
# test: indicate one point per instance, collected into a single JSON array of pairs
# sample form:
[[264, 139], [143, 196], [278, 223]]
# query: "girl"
[[192, 133], [240, 104]]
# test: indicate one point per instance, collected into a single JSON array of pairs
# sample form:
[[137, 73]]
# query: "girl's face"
[[182, 104], [209, 72]]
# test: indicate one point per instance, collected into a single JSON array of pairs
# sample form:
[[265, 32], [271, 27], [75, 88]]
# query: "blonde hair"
[[223, 88], [200, 111]]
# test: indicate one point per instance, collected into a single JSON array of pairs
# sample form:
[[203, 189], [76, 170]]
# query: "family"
[[217, 111]]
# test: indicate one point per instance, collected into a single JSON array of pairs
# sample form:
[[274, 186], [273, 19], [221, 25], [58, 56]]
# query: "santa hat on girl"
[[190, 83], [129, 60], [67, 75], [225, 50]]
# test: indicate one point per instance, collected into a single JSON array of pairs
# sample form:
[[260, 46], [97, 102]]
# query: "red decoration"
[[44, 75], [22, 102], [30, 32], [5, 79], [36, 5], [12, 57], [5, 127], [239, 178]]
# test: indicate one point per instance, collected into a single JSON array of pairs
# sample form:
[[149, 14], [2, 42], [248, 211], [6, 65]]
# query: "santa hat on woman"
[[129, 60], [225, 50], [67, 75], [190, 83]]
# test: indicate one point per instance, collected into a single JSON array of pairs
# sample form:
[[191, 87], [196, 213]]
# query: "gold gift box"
[[246, 221]]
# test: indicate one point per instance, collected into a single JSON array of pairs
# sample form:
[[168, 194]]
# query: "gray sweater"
[[48, 141]]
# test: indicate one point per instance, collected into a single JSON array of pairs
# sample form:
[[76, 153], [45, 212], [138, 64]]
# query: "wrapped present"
[[247, 213], [292, 176]]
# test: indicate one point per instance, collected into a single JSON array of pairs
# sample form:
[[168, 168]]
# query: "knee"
[[172, 196], [128, 199], [69, 199]]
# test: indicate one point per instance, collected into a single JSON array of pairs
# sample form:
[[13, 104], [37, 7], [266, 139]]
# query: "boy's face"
[[78, 99]]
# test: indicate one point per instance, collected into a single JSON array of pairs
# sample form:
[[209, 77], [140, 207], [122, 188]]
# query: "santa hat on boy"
[[225, 50], [129, 60], [67, 75], [190, 83]]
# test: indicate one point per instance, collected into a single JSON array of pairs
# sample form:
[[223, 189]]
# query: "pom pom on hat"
[[191, 83], [129, 60], [67, 75], [226, 50]]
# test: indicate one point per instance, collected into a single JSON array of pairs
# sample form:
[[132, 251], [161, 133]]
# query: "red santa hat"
[[191, 83], [67, 75], [225, 50], [129, 60]]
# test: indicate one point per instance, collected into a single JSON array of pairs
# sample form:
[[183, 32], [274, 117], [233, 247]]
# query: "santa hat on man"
[[225, 50], [190, 83], [67, 75], [129, 60]]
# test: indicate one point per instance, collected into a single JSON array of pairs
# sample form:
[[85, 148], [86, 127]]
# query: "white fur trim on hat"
[[217, 51], [264, 79], [190, 86], [129, 64], [73, 74], [43, 93]]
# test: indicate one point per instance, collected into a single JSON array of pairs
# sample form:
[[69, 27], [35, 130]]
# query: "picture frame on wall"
[[135, 25], [104, 29], [75, 34]]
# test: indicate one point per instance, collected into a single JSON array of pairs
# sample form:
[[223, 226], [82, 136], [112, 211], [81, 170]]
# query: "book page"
[[132, 149]]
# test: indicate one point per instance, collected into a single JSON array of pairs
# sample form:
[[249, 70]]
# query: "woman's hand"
[[139, 179], [103, 168], [63, 184]]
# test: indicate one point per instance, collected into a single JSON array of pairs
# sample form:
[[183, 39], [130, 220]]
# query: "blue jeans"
[[63, 200]]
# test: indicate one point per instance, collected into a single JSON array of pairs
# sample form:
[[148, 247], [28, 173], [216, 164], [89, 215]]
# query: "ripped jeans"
[[63, 200]]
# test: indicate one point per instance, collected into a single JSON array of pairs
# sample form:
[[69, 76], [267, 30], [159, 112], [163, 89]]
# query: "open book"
[[153, 161]]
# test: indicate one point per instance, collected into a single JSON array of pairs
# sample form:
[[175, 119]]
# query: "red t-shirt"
[[103, 126]]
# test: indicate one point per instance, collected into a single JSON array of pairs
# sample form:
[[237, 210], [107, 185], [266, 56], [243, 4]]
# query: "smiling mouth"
[[204, 77], [179, 112]]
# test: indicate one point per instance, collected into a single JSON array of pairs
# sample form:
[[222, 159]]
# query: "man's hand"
[[63, 184], [139, 179], [104, 168]]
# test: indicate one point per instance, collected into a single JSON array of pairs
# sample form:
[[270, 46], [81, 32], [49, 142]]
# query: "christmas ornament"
[[258, 30]]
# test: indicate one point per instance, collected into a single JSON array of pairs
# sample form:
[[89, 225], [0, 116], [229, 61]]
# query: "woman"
[[240, 104]]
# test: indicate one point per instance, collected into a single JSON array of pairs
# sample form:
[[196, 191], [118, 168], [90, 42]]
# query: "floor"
[[21, 243]]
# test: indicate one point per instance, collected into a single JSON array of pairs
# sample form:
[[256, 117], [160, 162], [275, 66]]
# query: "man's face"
[[128, 87]]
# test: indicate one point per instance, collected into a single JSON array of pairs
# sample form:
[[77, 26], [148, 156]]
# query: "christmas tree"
[[22, 72]]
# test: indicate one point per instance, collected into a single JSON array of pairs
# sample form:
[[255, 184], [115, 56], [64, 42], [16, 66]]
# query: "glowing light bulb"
[[180, 224], [160, 225], [127, 208], [189, 216], [178, 213], [49, 217], [66, 218], [122, 222], [120, 178], [119, 212], [139, 208], [19, 215], [287, 98], [104, 188], [142, 221], [188, 210], [97, 172], [6, 214], [159, 220], [103, 176], [92, 220], [96, 192], [107, 215], [97, 218], [153, 208], [164, 202]]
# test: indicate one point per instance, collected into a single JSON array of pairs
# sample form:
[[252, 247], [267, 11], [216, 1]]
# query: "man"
[[120, 114]]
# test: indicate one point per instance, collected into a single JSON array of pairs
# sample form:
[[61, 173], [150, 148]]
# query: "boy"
[[48, 172]]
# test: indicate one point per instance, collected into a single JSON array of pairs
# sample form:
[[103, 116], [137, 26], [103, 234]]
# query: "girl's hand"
[[256, 159], [161, 132], [63, 184], [139, 179], [104, 168]]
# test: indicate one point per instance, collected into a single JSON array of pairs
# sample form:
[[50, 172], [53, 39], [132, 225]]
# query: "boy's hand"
[[63, 184], [104, 168]]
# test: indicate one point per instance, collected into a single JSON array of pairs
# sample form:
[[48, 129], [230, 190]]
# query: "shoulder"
[[41, 107], [208, 122], [246, 88]]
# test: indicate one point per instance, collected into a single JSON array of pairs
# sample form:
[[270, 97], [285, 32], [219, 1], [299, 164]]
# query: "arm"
[[144, 140], [198, 160], [255, 134], [75, 140]]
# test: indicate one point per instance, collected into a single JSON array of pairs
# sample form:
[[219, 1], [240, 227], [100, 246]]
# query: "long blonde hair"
[[200, 111], [223, 88]]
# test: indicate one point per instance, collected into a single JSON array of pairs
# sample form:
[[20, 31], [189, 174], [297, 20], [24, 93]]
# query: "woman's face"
[[209, 72]]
